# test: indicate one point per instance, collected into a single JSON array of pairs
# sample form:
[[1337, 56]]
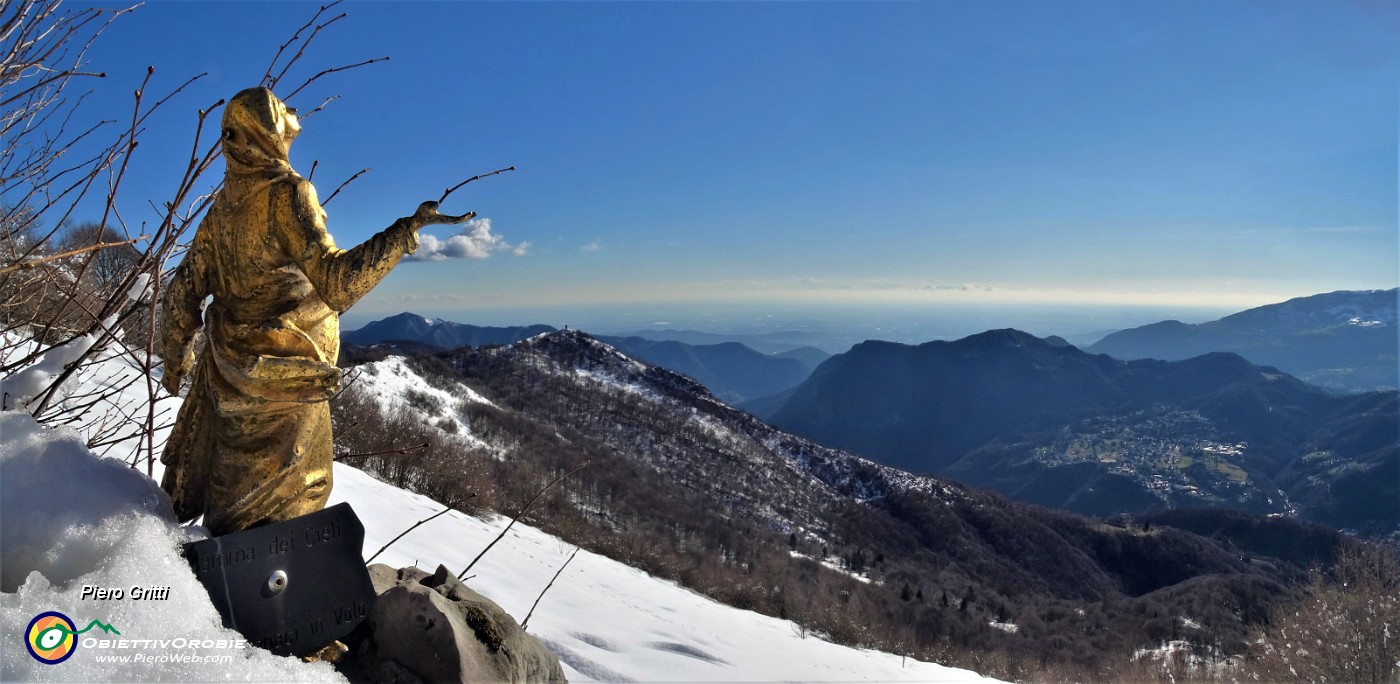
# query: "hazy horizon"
[[832, 327]]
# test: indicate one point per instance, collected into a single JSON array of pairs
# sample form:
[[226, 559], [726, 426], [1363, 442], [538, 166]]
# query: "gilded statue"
[[252, 442]]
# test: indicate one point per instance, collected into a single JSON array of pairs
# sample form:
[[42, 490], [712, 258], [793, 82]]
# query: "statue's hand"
[[427, 215]]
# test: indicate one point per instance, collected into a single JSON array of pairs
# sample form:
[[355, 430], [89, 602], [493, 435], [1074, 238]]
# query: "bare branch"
[[405, 532], [333, 70], [302, 50], [63, 255], [454, 188], [525, 623], [267, 79], [518, 516], [397, 452], [319, 107], [348, 181]]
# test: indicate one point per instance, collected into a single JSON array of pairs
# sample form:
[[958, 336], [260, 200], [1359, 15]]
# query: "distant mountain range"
[[731, 370], [1045, 422], [776, 342], [689, 488], [409, 327], [1344, 341]]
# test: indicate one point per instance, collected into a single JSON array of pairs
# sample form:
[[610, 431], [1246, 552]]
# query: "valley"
[[1176, 451], [819, 519], [687, 488], [1043, 422]]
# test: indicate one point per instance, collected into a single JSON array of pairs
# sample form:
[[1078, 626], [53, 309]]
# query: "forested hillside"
[[688, 488], [1047, 423]]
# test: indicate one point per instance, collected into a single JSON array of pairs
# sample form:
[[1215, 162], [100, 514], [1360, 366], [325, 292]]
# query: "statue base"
[[290, 587]]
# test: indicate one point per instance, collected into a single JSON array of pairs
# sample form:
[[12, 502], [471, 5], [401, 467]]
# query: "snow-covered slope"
[[395, 387], [71, 519], [608, 621]]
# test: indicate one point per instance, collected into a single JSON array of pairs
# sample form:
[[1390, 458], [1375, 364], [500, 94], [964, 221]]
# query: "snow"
[[833, 564], [1008, 627], [24, 386], [1208, 661], [1365, 323], [608, 621], [390, 380], [391, 377], [73, 519], [606, 379], [27, 384]]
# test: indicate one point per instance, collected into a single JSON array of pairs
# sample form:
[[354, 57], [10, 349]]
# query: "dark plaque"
[[289, 587]]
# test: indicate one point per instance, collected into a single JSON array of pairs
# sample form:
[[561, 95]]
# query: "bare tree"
[[1346, 627], [67, 300], [108, 255]]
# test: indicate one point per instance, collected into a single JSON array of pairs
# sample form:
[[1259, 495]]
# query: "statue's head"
[[258, 130]]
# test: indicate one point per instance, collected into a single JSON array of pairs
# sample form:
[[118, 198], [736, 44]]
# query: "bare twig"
[[268, 79], [51, 163], [319, 107], [348, 181], [331, 71], [453, 189], [525, 623], [518, 516], [31, 263], [399, 452], [405, 532]]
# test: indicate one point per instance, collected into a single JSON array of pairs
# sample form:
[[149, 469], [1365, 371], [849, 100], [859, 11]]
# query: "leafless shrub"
[[1346, 628], [404, 448], [69, 298], [72, 295]]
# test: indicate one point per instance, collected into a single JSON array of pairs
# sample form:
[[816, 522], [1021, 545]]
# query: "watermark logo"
[[52, 638]]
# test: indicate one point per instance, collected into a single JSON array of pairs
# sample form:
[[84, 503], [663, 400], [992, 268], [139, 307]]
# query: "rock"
[[433, 628]]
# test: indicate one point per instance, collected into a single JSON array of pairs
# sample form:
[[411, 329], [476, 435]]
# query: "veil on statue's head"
[[255, 133]]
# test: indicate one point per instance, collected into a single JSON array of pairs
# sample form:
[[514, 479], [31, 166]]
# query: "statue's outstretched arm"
[[342, 277], [181, 311]]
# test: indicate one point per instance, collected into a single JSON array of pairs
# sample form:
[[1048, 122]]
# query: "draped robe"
[[252, 442]]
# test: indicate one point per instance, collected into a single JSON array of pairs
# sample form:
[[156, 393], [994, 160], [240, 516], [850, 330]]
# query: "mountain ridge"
[[411, 327], [781, 516], [1344, 340], [1044, 422], [732, 370]]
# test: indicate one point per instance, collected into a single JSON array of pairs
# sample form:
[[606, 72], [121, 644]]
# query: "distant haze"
[[832, 327]]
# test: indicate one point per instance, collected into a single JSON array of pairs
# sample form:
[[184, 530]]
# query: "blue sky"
[[1202, 154]]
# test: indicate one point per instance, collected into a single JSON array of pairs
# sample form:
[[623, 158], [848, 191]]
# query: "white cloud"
[[965, 287], [592, 246], [474, 241]]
